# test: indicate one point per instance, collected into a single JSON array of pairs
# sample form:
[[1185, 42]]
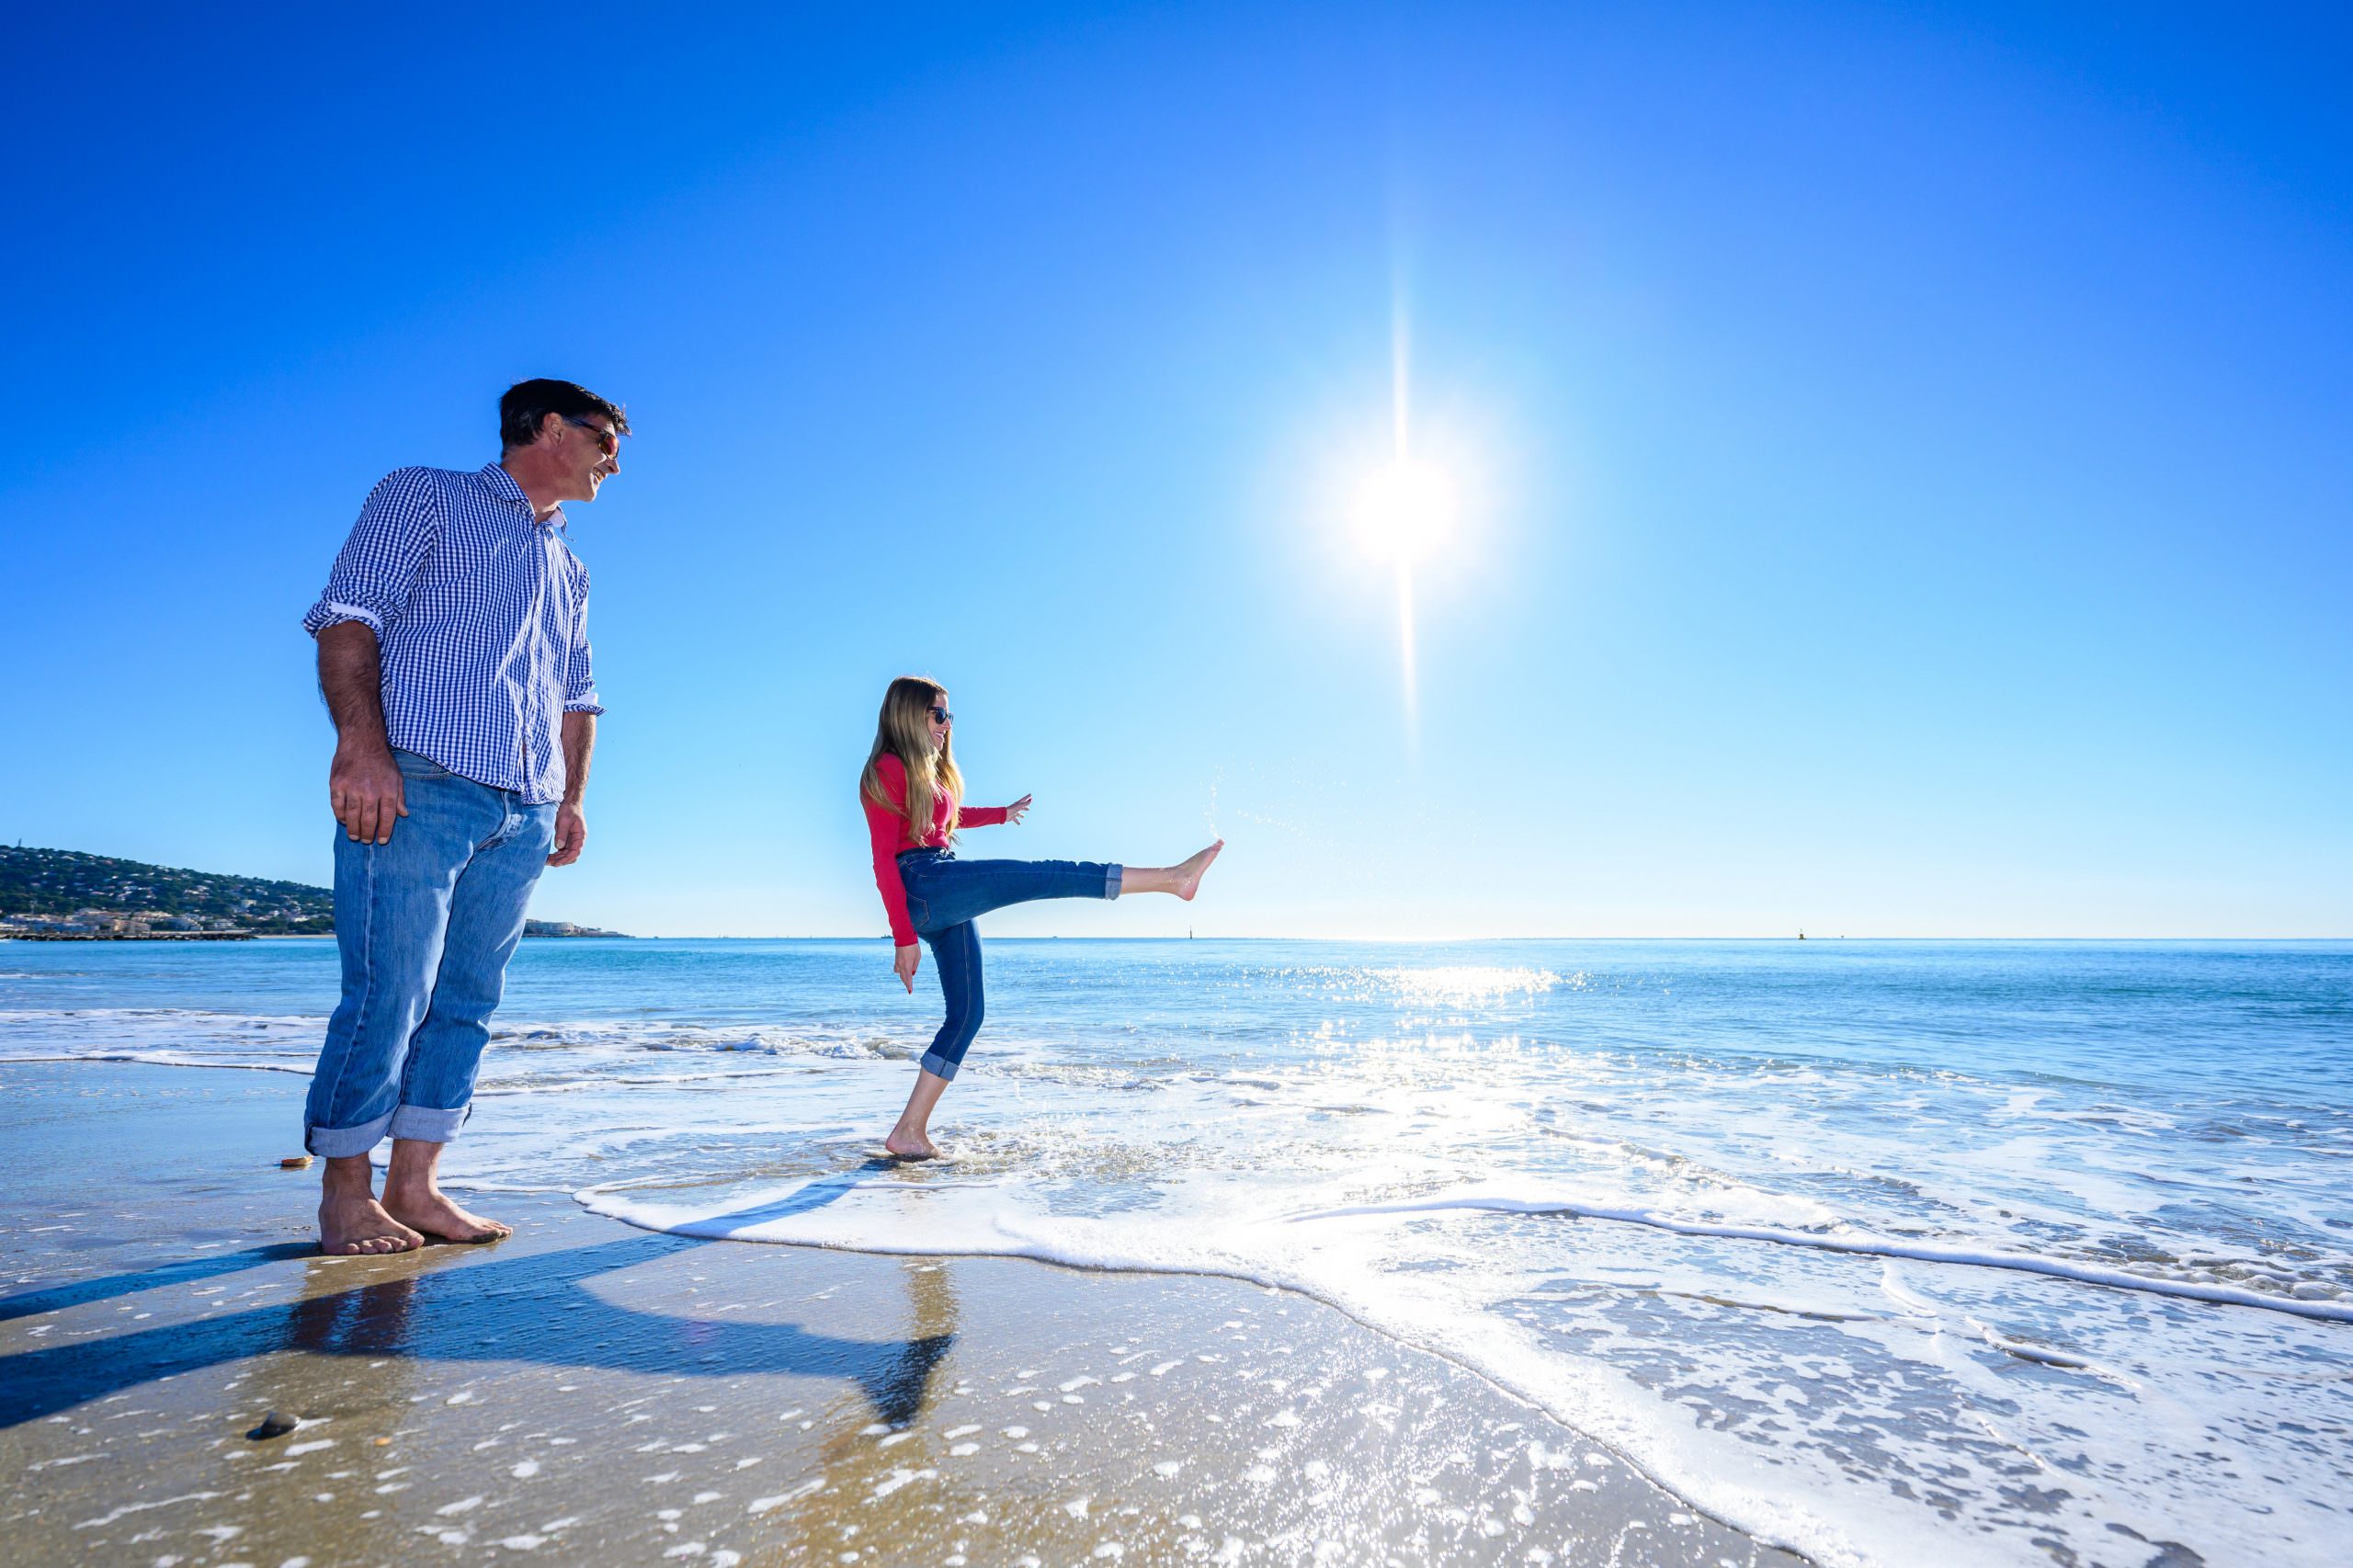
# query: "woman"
[[911, 790]]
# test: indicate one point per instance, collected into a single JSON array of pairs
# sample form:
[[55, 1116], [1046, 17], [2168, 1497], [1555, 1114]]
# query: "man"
[[453, 653]]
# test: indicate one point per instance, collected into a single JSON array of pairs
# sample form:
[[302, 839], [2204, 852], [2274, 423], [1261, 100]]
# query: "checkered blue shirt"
[[481, 616]]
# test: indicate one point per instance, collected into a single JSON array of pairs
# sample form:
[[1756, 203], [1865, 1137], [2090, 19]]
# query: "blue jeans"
[[426, 925], [945, 895]]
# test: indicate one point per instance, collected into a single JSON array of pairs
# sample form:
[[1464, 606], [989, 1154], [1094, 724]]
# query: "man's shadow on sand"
[[460, 1307]]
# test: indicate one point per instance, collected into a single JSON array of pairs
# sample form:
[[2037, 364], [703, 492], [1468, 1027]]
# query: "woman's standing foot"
[[911, 1138]]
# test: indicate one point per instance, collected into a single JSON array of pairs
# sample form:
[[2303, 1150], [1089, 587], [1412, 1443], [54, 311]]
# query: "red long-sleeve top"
[[891, 833]]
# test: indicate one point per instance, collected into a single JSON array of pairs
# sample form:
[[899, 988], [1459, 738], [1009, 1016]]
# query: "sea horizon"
[[1394, 941]]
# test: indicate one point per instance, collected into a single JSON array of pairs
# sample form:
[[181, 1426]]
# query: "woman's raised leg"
[[953, 892], [1184, 879]]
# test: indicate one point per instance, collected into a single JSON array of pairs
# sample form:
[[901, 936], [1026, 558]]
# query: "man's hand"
[[367, 792], [909, 957], [571, 834], [1020, 808], [364, 785]]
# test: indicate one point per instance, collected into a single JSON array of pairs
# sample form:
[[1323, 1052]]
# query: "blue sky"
[[1905, 487]]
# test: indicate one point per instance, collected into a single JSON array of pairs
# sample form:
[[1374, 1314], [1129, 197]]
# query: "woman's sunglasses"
[[941, 715]]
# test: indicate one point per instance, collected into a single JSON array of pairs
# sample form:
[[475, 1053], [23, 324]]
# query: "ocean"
[[1986, 1252]]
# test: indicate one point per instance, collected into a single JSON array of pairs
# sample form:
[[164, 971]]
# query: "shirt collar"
[[502, 486]]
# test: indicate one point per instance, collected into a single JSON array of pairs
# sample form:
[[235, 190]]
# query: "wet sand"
[[585, 1392]]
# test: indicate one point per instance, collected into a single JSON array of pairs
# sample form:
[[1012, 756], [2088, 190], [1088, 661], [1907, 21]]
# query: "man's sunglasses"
[[609, 440], [941, 715]]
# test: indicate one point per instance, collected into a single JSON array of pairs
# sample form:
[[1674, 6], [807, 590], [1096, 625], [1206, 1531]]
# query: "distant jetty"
[[64, 895]]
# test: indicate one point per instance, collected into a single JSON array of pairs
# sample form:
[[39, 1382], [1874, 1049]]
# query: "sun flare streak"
[[1406, 509]]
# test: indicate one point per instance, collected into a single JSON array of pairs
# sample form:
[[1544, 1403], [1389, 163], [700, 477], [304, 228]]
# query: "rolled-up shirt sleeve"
[[580, 678], [378, 566]]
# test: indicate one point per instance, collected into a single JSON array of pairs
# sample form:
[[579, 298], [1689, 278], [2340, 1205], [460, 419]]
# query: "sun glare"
[[1404, 513], [1407, 511]]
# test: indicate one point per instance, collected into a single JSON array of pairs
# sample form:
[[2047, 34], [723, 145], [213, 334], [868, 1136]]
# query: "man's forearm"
[[351, 680], [579, 741]]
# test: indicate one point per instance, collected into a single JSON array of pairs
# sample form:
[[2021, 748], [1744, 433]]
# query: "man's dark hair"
[[529, 403]]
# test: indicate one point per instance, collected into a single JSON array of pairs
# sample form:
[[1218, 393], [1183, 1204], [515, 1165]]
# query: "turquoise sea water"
[[2006, 1251]]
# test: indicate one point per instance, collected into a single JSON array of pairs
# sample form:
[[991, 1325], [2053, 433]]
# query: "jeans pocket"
[[918, 911], [420, 768]]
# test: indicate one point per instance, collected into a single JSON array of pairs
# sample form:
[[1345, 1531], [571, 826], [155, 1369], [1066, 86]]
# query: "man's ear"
[[551, 426]]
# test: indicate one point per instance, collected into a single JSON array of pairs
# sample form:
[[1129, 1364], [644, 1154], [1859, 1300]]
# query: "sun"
[[1405, 512]]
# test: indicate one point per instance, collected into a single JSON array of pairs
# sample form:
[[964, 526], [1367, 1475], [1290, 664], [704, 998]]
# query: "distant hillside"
[[64, 881], [61, 881]]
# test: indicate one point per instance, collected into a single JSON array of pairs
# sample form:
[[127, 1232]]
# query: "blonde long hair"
[[903, 730]]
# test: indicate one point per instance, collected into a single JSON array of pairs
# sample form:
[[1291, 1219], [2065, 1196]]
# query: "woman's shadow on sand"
[[452, 1304]]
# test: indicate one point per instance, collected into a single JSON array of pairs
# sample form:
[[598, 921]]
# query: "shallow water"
[[2001, 1251]]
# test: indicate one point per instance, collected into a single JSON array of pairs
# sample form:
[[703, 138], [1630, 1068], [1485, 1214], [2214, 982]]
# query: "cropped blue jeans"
[[945, 895], [426, 925]]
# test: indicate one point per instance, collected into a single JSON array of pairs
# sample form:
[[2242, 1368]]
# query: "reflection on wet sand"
[[452, 1305], [856, 1464]]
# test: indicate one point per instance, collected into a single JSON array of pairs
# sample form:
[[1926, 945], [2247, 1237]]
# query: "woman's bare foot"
[[352, 1226], [911, 1135], [1188, 875], [430, 1210]]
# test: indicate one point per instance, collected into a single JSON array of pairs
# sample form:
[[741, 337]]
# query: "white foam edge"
[[1864, 1245], [167, 1059]]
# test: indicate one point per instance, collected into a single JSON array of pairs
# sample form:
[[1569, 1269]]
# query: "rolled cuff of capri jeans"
[[934, 1062], [427, 1125], [1112, 877], [339, 1143]]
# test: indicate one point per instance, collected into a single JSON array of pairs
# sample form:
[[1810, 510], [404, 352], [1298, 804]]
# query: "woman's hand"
[[1020, 808], [904, 963]]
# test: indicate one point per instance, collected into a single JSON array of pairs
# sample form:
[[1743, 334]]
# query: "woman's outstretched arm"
[[990, 816]]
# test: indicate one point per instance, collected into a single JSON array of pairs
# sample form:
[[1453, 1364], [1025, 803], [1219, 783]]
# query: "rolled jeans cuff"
[[1113, 876], [427, 1124], [938, 1065], [340, 1143]]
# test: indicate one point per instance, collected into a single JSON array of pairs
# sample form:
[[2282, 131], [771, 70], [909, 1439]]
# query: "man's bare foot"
[[356, 1226], [911, 1146], [430, 1210], [1188, 875]]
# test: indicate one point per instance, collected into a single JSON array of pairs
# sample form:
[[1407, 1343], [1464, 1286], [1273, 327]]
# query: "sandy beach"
[[588, 1392]]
